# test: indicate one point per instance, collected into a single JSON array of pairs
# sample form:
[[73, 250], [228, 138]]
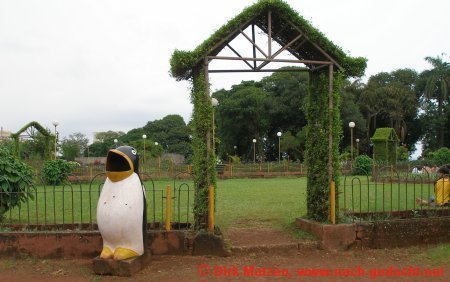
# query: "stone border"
[[379, 234], [88, 244]]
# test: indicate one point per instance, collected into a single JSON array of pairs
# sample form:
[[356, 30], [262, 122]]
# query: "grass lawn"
[[248, 202], [274, 202]]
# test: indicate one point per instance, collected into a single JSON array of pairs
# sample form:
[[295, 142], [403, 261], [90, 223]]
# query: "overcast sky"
[[103, 65]]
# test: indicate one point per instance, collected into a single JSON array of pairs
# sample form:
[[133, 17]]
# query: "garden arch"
[[30, 130], [327, 65]]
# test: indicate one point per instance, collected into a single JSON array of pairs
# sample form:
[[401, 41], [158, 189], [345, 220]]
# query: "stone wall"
[[85, 244], [379, 234]]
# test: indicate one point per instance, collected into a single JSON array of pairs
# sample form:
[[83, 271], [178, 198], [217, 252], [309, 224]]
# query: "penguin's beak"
[[118, 166]]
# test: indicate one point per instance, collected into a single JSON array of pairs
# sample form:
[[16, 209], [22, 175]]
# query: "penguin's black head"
[[121, 163]]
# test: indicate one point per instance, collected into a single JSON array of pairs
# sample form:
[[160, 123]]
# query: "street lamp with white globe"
[[214, 103], [55, 124], [159, 161], [357, 147], [351, 125], [279, 146], [254, 150], [144, 137]]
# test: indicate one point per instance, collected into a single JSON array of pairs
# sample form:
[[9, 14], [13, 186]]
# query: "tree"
[[103, 136], [370, 100], [391, 100], [285, 105], [74, 145], [294, 146], [437, 89], [241, 117], [172, 134], [350, 112], [258, 110]]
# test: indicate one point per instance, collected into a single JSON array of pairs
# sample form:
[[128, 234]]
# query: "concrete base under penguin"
[[125, 268]]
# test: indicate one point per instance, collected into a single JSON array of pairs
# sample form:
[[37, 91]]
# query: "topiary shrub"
[[55, 172], [15, 178], [362, 165]]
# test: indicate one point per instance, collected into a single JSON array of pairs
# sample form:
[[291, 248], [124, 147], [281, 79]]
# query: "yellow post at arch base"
[[168, 208], [211, 209], [333, 202]]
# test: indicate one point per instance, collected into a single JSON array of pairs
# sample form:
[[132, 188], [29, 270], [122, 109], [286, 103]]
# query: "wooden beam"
[[326, 55], [239, 55], [208, 132], [264, 70], [312, 62], [269, 32], [231, 35], [318, 68], [254, 44], [317, 47], [281, 50], [330, 125], [295, 48], [254, 48]]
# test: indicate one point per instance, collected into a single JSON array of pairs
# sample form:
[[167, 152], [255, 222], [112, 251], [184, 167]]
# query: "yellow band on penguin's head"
[[118, 165], [116, 176]]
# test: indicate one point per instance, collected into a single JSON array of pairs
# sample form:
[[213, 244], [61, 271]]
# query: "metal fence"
[[166, 170], [390, 194], [73, 205]]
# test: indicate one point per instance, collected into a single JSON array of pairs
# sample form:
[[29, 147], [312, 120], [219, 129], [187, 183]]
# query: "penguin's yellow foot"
[[106, 253], [123, 253]]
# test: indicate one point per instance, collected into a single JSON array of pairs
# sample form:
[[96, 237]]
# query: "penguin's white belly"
[[120, 214]]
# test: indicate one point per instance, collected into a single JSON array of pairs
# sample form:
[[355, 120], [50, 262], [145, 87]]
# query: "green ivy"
[[203, 160], [182, 63], [15, 179], [55, 172], [317, 131]]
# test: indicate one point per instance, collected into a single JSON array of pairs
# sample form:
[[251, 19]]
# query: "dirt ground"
[[271, 256]]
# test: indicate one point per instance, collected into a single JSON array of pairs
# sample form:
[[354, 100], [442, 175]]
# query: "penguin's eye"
[[133, 151]]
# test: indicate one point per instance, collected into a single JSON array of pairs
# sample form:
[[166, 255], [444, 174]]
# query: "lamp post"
[[279, 146], [115, 142], [159, 161], [254, 150], [55, 124], [144, 137], [351, 125], [235, 148], [357, 147], [214, 103]]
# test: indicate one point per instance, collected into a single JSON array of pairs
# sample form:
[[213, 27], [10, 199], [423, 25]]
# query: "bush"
[[15, 177], [402, 153], [441, 156], [362, 165], [235, 159], [54, 172]]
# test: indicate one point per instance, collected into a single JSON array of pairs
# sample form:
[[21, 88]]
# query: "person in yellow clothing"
[[441, 190]]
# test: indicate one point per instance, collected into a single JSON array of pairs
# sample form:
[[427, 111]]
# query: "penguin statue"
[[121, 208]]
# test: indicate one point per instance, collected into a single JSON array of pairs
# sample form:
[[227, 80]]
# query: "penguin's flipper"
[[123, 253], [106, 253]]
